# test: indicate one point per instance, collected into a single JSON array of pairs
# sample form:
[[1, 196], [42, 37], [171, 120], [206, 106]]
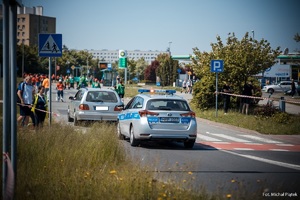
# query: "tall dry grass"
[[64, 163]]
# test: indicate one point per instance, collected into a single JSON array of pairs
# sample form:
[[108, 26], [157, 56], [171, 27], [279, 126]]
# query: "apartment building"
[[112, 56], [31, 22]]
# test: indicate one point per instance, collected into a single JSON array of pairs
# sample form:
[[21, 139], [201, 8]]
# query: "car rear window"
[[101, 96], [167, 104]]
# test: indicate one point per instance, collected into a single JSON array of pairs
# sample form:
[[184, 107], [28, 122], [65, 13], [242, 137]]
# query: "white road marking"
[[244, 149], [230, 138], [285, 145], [253, 137], [221, 142], [254, 144], [274, 162], [207, 138]]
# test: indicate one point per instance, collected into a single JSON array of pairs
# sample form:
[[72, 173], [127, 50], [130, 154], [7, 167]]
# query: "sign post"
[[217, 66], [50, 45], [123, 62]]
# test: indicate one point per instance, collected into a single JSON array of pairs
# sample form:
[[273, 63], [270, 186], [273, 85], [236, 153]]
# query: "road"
[[225, 159]]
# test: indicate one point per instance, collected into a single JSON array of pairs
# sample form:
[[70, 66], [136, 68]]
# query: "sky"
[[179, 24]]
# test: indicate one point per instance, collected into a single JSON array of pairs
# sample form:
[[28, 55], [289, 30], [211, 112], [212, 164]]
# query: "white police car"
[[156, 116]]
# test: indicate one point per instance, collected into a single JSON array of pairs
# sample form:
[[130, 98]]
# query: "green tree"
[[141, 65], [242, 60], [150, 71], [167, 70], [131, 68]]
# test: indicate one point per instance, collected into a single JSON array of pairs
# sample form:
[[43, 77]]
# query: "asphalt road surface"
[[224, 160]]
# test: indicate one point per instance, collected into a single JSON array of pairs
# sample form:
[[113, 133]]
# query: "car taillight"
[[83, 107], [144, 113], [189, 114], [118, 108]]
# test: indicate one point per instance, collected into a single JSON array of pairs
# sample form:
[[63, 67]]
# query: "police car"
[[157, 115]]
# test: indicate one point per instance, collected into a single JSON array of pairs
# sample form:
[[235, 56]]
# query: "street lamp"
[[252, 34], [169, 49]]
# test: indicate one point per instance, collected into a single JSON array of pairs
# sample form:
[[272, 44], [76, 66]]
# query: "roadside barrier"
[[53, 113], [260, 98]]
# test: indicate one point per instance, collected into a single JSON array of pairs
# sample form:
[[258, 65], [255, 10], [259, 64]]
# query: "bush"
[[282, 117], [265, 111]]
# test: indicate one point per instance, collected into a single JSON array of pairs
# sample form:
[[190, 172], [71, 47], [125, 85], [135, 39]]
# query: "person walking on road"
[[39, 107], [183, 89], [120, 89], [26, 92], [293, 88], [46, 85], [96, 83], [60, 90], [71, 80]]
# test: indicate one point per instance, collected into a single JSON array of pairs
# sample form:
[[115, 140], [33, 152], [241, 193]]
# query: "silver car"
[[94, 104], [157, 117], [280, 87]]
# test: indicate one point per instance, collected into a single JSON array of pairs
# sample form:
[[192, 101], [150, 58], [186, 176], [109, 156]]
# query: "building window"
[[23, 19]]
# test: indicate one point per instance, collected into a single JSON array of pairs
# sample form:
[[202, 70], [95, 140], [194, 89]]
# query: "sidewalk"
[[291, 108]]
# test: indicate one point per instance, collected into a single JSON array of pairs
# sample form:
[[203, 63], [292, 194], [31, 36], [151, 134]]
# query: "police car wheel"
[[76, 122], [132, 140], [189, 144], [119, 134], [69, 118]]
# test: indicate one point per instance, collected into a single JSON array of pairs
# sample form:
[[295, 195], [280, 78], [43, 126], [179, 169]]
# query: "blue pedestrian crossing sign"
[[50, 45]]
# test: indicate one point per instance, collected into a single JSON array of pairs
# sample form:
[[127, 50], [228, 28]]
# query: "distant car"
[[280, 87], [94, 104], [157, 117]]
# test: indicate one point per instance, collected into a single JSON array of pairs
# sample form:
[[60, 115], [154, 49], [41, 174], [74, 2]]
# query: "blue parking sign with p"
[[217, 66]]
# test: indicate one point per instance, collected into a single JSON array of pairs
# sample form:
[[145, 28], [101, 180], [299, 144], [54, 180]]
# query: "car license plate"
[[101, 107], [169, 119]]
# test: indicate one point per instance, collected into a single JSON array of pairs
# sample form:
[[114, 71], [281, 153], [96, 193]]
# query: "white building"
[[112, 56]]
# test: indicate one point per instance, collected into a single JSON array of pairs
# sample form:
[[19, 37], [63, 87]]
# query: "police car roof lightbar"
[[157, 91]]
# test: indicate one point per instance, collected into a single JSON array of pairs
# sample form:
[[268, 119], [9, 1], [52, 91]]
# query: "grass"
[[61, 163], [278, 124]]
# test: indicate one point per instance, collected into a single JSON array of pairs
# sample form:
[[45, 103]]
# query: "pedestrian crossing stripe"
[[50, 46]]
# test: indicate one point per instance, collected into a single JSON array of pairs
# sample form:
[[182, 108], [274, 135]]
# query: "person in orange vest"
[[46, 85], [60, 90]]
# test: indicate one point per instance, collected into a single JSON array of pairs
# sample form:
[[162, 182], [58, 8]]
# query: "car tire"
[[119, 134], [189, 144], [133, 142], [271, 90], [69, 118], [76, 122]]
